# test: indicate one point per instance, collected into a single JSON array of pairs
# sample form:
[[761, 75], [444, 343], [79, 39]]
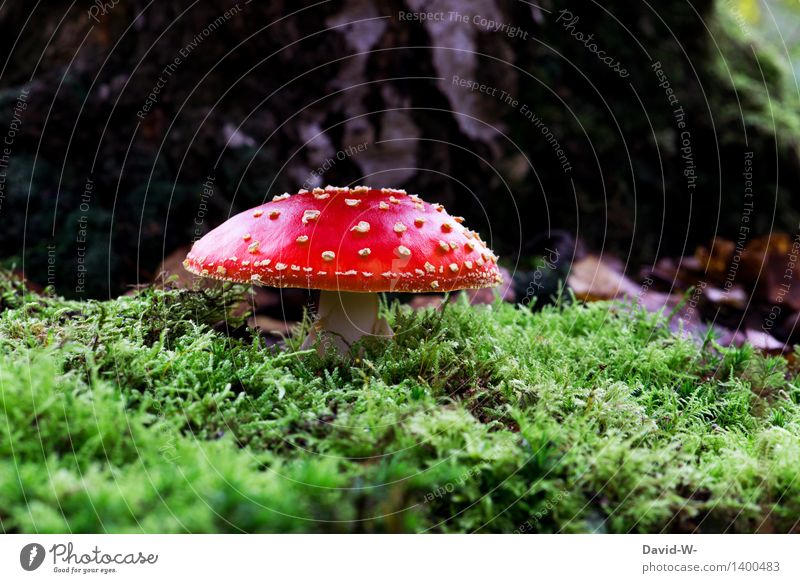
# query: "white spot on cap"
[[400, 227], [255, 277], [258, 213], [366, 273], [245, 263], [352, 201], [444, 246], [322, 273], [394, 200], [321, 195], [328, 255], [302, 239], [280, 266], [361, 189], [274, 214], [453, 245], [419, 221], [447, 227], [435, 284], [383, 206], [221, 270], [469, 245], [361, 227], [468, 264], [364, 252], [459, 220], [429, 267], [281, 197], [246, 237], [310, 215], [253, 247], [403, 251], [453, 267]]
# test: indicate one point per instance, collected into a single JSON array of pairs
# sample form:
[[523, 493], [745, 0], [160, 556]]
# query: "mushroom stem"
[[345, 317]]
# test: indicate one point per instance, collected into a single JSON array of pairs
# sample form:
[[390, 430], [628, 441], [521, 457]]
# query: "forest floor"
[[146, 414]]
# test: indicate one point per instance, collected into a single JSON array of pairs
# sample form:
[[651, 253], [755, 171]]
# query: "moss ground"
[[144, 414]]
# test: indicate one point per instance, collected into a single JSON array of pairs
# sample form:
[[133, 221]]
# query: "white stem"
[[345, 317]]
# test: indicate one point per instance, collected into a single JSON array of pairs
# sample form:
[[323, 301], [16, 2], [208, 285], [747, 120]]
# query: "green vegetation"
[[145, 414]]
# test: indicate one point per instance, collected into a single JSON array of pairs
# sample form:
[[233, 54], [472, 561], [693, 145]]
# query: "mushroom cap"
[[360, 240]]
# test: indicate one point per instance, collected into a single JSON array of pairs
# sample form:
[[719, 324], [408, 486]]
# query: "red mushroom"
[[351, 243]]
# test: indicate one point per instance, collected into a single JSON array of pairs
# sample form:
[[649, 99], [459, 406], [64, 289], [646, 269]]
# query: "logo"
[[31, 556]]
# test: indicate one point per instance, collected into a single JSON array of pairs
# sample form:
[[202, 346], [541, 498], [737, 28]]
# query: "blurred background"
[[634, 148]]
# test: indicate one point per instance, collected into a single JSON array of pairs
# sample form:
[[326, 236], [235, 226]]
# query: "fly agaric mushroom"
[[350, 243]]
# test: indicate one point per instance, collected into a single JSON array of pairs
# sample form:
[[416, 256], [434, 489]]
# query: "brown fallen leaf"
[[592, 279], [172, 267], [714, 262], [271, 325], [734, 297], [771, 265], [757, 338], [764, 341]]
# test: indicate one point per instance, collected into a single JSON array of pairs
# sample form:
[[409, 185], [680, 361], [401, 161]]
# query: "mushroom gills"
[[344, 318]]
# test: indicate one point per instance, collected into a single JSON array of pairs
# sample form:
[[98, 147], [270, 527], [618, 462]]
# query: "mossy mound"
[[143, 414]]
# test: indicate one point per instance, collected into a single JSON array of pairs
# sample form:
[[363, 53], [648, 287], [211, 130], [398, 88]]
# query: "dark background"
[[267, 94]]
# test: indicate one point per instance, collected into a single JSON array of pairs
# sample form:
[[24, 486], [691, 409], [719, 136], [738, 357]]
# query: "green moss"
[[139, 414]]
